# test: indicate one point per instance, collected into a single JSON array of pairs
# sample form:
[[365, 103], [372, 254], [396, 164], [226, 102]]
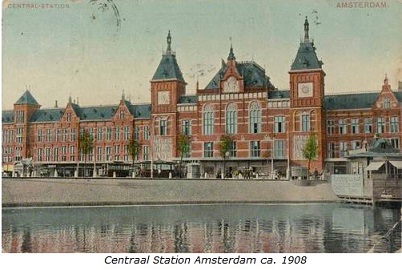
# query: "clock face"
[[231, 85], [163, 97], [305, 89]]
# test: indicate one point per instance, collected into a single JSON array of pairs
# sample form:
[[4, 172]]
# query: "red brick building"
[[268, 126]]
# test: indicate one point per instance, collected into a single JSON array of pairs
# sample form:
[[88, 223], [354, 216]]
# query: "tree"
[[183, 146], [310, 149], [133, 149], [85, 144], [224, 146]]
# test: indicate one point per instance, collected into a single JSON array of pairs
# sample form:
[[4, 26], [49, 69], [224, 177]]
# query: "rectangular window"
[[330, 127], [279, 124], [126, 133], [39, 135], [117, 133], [185, 127], [380, 125], [232, 149], [108, 134], [331, 150], [116, 152], [145, 152], [342, 126], [72, 135], [395, 143], [208, 123], [100, 134], [48, 135], [99, 154], [47, 154], [56, 154], [208, 149], [108, 153], [146, 133], [393, 124], [136, 133], [64, 134], [162, 127], [305, 122], [40, 154], [343, 147], [279, 149], [368, 126], [255, 149], [355, 126]]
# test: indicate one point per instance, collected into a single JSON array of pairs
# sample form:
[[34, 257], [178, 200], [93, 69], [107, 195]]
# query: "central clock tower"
[[306, 103], [167, 86]]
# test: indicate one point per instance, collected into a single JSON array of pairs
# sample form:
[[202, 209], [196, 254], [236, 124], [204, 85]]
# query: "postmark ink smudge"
[[104, 6]]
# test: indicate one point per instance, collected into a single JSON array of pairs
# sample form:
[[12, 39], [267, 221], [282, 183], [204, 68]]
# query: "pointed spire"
[[231, 54], [386, 79], [123, 97], [306, 27], [169, 43]]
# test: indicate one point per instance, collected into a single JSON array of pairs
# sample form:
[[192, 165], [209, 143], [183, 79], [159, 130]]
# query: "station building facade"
[[268, 126]]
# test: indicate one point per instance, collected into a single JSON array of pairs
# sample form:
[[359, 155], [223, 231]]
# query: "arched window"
[[231, 119], [208, 120], [254, 117]]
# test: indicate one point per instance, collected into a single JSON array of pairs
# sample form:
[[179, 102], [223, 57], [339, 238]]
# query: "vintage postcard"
[[224, 127]]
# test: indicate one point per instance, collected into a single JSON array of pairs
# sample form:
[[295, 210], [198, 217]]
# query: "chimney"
[[55, 104]]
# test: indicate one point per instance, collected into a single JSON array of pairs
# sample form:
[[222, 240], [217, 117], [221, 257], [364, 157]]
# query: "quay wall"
[[127, 191]]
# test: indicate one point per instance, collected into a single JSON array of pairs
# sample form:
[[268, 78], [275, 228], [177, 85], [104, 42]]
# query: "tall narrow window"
[[279, 148], [393, 124], [255, 149], [254, 117], [279, 124], [342, 126], [185, 127], [330, 127], [355, 126], [331, 150], [208, 120], [368, 128], [231, 119], [380, 125], [146, 133], [305, 120], [208, 149], [162, 127]]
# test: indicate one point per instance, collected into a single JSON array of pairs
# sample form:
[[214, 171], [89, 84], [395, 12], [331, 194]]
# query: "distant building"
[[268, 126]]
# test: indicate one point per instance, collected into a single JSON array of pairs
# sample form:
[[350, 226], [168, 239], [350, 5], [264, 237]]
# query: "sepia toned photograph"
[[231, 126]]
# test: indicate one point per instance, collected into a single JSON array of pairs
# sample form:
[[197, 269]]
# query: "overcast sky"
[[93, 52]]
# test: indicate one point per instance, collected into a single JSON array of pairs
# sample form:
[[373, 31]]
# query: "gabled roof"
[[47, 115], [26, 99], [7, 117], [253, 75], [349, 101], [188, 99]]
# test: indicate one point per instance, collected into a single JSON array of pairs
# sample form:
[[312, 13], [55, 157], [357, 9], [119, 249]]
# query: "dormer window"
[[121, 114]]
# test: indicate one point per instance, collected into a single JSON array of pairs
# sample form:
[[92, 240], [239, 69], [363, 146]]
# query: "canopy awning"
[[373, 166], [396, 163]]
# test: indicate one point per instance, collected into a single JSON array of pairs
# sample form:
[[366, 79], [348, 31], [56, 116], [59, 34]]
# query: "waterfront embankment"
[[126, 191]]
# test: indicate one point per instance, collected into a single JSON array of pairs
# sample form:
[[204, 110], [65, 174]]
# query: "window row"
[[354, 126], [340, 149], [278, 151]]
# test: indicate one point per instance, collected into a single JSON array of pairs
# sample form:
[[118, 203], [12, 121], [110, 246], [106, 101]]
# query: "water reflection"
[[200, 228]]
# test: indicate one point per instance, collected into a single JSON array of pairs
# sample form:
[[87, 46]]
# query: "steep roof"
[[97, 112], [26, 99], [168, 67], [253, 75], [306, 57], [47, 115], [7, 117], [141, 111], [349, 101]]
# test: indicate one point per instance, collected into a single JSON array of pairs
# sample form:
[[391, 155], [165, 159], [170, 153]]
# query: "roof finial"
[[169, 42], [231, 54], [123, 97], [386, 79], [306, 24], [69, 99]]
